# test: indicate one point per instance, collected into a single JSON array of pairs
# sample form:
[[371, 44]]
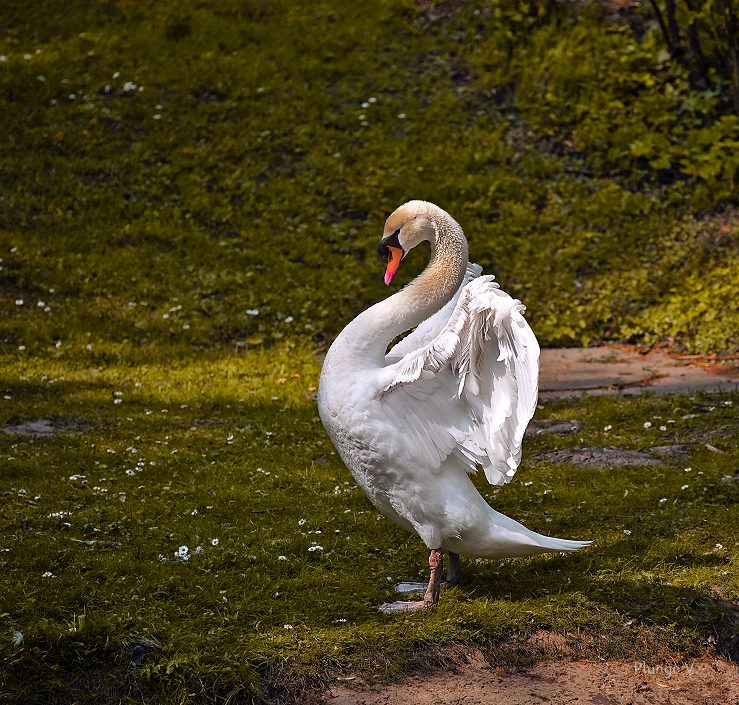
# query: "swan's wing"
[[426, 331], [473, 389]]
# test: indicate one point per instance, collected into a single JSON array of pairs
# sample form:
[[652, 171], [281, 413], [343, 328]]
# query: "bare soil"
[[704, 682], [626, 370]]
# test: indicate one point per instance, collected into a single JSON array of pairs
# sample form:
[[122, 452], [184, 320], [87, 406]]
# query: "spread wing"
[[471, 391]]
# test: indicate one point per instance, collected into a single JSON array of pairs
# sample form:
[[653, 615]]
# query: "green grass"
[[208, 450], [191, 195], [167, 168]]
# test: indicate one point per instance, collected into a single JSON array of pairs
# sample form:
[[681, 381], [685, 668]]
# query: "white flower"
[[627, 532], [252, 311], [607, 427], [685, 487], [17, 638], [663, 500], [214, 542], [315, 547], [48, 574], [719, 546], [129, 86], [287, 626], [663, 428], [281, 558], [647, 424], [183, 553], [301, 522]]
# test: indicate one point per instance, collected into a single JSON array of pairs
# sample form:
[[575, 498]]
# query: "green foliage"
[[160, 203]]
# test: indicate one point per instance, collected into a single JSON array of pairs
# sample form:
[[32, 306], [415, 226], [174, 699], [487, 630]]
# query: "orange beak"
[[394, 255]]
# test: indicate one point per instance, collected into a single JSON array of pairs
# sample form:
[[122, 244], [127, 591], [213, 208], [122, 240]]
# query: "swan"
[[454, 395]]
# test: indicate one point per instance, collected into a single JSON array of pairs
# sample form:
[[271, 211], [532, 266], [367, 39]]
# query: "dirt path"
[[706, 682], [622, 370]]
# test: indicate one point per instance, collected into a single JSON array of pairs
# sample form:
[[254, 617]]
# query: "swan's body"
[[455, 394]]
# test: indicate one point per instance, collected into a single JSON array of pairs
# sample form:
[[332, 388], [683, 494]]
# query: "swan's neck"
[[368, 335]]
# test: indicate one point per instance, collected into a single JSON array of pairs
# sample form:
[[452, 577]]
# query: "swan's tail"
[[551, 544]]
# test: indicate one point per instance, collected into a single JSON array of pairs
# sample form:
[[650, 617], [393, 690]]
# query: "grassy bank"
[[169, 168]]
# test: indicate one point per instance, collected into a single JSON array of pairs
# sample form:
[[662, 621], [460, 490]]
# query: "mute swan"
[[455, 394]]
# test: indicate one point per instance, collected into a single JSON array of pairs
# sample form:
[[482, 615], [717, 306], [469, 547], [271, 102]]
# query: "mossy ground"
[[236, 467], [191, 197]]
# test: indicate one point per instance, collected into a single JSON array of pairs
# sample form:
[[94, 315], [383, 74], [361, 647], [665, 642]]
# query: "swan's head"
[[407, 226]]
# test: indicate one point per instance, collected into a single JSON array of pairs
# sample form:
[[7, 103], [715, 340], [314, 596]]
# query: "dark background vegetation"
[[191, 194], [232, 156]]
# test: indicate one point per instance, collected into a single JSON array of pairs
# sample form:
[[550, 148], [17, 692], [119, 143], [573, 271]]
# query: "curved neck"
[[372, 331]]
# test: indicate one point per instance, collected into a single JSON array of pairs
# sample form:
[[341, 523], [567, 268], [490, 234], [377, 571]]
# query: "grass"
[[236, 467], [168, 169], [191, 197]]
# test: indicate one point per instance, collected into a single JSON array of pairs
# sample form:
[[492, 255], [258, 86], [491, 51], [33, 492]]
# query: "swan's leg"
[[454, 574], [436, 563], [431, 597]]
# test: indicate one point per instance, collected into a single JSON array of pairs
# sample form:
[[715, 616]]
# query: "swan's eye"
[[392, 241]]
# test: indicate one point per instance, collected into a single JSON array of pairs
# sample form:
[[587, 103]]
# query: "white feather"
[[488, 353]]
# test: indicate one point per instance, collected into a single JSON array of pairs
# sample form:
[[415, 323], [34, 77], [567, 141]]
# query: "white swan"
[[455, 394]]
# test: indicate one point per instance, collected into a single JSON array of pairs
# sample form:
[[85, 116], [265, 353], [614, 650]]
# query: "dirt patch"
[[41, 428], [552, 427], [704, 682], [623, 370], [606, 457]]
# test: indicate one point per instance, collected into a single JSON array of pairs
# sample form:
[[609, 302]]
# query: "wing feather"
[[472, 389]]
